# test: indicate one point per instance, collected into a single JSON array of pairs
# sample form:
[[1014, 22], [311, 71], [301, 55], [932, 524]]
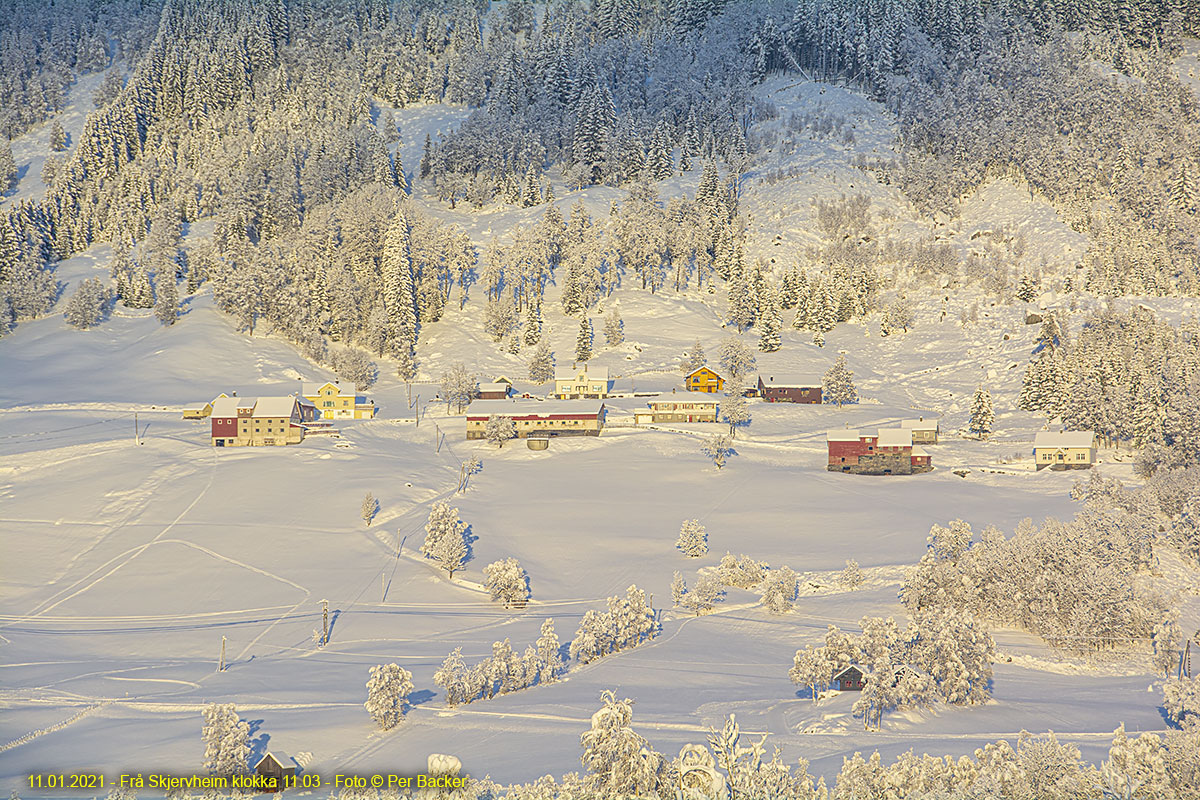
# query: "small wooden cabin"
[[789, 389], [277, 767], [851, 679]]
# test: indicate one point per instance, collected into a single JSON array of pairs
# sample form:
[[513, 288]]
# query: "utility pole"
[[221, 663], [382, 586], [437, 438], [324, 622], [135, 428]]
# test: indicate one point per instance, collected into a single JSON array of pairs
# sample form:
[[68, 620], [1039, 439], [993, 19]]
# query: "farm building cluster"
[[260, 421], [888, 451]]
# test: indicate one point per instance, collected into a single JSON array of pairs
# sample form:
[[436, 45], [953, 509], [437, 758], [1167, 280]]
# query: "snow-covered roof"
[[719, 374], [684, 402], [494, 387], [861, 670], [226, 406], [313, 387], [1064, 439], [842, 436], [895, 437], [791, 381], [278, 756], [274, 406], [481, 409], [919, 451], [570, 373], [920, 424]]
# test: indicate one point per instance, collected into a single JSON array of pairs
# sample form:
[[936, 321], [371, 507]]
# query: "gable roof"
[[707, 367], [481, 409], [1052, 439], [920, 424], [842, 436], [854, 667], [919, 451], [791, 381], [275, 406], [225, 407], [314, 387], [499, 386], [895, 437], [570, 373], [279, 757]]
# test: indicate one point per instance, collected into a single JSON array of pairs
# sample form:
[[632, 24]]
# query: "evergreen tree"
[[541, 366], [694, 359], [399, 291], [1027, 289], [583, 342], [614, 328], [838, 385], [58, 137], [87, 305], [982, 415], [8, 168], [166, 307], [370, 506], [769, 339], [533, 324]]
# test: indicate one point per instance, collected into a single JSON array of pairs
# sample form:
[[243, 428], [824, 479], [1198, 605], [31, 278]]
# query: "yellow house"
[[574, 383], [1065, 450], [704, 379], [333, 404]]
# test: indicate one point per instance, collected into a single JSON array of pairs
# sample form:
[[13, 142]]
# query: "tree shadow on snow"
[[421, 697]]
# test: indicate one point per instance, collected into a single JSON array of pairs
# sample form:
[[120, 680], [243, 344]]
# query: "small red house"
[[890, 451], [789, 389]]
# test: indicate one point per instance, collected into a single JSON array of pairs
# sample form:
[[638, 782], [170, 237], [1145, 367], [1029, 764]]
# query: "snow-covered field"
[[126, 564]]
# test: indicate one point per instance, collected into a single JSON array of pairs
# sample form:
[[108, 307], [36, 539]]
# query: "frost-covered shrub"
[[741, 571]]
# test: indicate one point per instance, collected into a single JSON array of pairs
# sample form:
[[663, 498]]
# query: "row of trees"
[[503, 671]]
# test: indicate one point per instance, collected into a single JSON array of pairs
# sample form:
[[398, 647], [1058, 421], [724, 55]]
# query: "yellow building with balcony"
[[333, 403]]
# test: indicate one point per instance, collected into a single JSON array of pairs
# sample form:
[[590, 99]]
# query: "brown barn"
[[789, 389], [277, 768], [851, 679], [494, 391]]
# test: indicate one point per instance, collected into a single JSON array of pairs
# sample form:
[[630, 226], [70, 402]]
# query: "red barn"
[[888, 452]]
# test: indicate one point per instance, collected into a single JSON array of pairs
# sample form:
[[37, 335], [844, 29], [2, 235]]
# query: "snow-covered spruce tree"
[[140, 290], [838, 385], [226, 740], [499, 429], [619, 762], [736, 359], [50, 169], [388, 689], [1027, 289], [399, 290], [583, 342], [693, 540], [769, 339], [693, 359], [735, 411], [8, 168], [458, 387], [550, 662], [443, 521], [87, 305], [507, 582], [533, 324], [779, 591], [369, 508], [166, 305], [982, 415], [58, 137], [512, 344], [852, 575], [541, 366], [718, 449], [614, 328]]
